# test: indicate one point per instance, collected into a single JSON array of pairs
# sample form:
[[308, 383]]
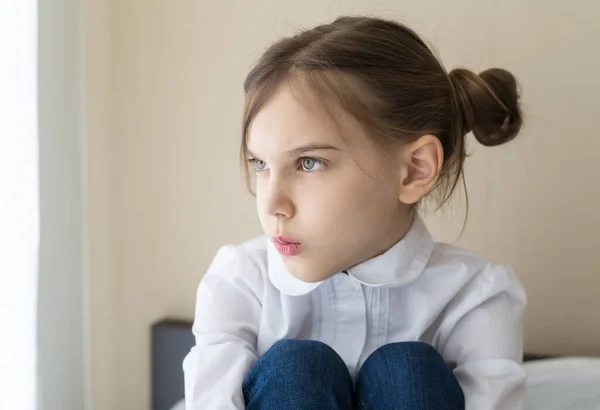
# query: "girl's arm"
[[228, 311], [486, 341]]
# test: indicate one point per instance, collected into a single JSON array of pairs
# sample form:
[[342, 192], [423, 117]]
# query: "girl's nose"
[[278, 202]]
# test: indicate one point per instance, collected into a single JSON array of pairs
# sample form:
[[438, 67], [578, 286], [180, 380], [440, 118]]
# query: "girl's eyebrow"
[[298, 151]]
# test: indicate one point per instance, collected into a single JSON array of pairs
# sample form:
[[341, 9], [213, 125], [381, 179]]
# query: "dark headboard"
[[172, 339]]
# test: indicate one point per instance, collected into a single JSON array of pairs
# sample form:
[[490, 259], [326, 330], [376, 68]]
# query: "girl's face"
[[324, 185]]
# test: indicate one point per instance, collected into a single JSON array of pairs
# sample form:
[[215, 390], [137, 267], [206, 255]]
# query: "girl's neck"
[[397, 230]]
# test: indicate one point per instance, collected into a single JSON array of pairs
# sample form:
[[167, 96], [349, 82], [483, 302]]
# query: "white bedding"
[[179, 406], [570, 383]]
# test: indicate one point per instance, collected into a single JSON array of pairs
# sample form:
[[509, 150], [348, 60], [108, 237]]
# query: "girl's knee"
[[415, 371], [289, 347], [289, 356], [305, 350], [399, 360], [295, 371], [408, 352]]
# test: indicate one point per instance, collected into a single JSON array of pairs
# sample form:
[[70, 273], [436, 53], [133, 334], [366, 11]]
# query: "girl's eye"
[[311, 164], [258, 165], [307, 164]]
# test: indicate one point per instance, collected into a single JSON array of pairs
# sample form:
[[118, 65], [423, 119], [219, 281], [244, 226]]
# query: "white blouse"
[[467, 308]]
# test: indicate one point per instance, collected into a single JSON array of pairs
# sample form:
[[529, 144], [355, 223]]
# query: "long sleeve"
[[486, 342], [227, 317]]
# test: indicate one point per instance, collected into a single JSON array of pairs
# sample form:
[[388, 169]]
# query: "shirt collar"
[[397, 266]]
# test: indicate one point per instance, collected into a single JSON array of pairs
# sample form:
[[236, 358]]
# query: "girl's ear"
[[422, 162]]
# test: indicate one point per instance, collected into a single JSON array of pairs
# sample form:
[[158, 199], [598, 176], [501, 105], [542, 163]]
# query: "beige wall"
[[164, 106], [101, 174]]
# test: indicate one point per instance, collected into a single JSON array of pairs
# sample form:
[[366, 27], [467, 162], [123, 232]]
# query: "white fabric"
[[571, 383], [467, 308], [180, 405]]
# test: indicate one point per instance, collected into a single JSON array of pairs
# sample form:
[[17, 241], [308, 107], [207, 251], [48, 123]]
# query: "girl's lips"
[[284, 240], [288, 249], [287, 246]]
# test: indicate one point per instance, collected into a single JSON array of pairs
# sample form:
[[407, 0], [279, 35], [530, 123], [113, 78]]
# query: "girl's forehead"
[[296, 116]]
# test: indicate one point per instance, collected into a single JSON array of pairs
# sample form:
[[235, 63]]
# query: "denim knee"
[[413, 353], [402, 360], [298, 374], [318, 353], [293, 347], [415, 372]]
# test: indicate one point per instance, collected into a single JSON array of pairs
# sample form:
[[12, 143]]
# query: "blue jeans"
[[309, 375]]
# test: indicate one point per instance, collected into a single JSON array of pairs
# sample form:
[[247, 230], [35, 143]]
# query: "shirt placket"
[[350, 320]]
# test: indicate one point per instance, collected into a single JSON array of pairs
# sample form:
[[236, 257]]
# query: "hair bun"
[[489, 103]]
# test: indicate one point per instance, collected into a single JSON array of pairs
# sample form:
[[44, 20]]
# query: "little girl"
[[346, 302]]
